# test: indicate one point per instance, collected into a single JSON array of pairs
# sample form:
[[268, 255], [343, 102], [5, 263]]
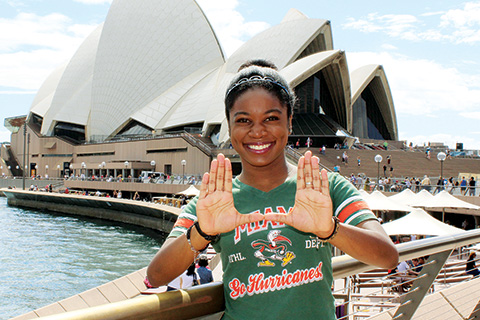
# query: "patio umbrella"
[[421, 198], [446, 200], [419, 222], [407, 197], [190, 192], [378, 201]]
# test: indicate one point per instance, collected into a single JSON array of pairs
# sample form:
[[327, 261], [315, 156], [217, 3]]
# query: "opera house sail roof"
[[157, 65]]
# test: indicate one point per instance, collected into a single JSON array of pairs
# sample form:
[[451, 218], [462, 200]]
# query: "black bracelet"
[[205, 236], [195, 251], [334, 232]]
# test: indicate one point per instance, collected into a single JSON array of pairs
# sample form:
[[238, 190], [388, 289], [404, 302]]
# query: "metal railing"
[[208, 299]]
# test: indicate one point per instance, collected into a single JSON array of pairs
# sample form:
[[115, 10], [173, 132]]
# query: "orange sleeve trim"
[[186, 223], [352, 208]]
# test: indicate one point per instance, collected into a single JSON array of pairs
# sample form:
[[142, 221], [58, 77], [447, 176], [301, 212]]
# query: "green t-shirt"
[[271, 270]]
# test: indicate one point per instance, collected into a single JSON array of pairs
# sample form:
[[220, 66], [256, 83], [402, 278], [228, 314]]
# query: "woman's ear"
[[290, 126]]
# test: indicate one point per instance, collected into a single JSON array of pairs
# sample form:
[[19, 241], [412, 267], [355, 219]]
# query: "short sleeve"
[[185, 220], [348, 204]]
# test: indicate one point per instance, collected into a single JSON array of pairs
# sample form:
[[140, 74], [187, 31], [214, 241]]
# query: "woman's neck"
[[266, 178]]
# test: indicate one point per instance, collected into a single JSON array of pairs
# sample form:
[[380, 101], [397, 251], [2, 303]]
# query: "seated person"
[[471, 268]]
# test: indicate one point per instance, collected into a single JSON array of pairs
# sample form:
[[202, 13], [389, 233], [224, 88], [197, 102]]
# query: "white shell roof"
[[361, 78], [71, 102], [281, 44], [158, 62], [44, 96]]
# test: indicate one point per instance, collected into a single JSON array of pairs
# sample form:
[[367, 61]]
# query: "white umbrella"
[[446, 200], [421, 198], [190, 192], [378, 201], [407, 197], [419, 222]]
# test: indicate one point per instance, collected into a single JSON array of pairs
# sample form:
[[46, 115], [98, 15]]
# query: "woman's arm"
[[366, 242], [216, 214], [173, 258], [313, 212]]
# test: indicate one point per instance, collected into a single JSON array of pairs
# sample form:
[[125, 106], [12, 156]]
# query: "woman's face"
[[259, 128]]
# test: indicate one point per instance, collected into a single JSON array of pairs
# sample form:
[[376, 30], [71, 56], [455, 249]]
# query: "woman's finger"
[[317, 181], [228, 175], [220, 172], [325, 189], [308, 170], [213, 176], [204, 186], [300, 173]]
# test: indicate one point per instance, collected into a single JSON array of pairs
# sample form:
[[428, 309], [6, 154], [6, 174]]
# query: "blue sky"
[[429, 50]]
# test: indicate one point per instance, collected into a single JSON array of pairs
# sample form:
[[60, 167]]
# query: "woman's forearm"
[[173, 258], [368, 243]]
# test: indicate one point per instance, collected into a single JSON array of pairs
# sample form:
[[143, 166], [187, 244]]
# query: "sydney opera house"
[[145, 91]]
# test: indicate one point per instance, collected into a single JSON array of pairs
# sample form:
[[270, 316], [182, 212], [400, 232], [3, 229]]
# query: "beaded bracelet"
[[334, 232], [196, 253]]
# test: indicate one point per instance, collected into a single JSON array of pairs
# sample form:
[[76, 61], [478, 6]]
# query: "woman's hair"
[[263, 74], [191, 270]]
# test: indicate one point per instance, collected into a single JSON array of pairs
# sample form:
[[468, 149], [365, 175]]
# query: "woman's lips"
[[259, 147]]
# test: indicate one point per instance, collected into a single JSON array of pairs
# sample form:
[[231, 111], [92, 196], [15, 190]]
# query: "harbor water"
[[46, 257]]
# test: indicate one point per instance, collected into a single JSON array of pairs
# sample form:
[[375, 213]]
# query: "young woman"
[[275, 223]]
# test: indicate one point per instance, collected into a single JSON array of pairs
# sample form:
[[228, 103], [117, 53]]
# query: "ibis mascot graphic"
[[275, 248]]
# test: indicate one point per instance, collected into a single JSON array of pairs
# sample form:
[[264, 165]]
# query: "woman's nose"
[[257, 130]]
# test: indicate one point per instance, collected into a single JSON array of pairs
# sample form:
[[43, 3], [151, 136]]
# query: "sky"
[[430, 51]]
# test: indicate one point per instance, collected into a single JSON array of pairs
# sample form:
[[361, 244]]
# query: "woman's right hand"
[[216, 212]]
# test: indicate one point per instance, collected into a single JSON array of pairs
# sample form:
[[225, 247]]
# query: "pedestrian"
[[297, 144], [204, 273], [463, 186], [385, 170], [358, 161], [471, 186], [258, 244]]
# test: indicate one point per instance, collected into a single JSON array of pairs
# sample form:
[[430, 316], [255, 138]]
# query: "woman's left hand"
[[312, 211]]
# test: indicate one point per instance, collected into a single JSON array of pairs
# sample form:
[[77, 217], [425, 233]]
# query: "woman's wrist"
[[196, 242], [327, 236]]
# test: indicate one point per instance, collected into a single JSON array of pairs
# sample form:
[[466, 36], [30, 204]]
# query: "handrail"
[[208, 299], [297, 155]]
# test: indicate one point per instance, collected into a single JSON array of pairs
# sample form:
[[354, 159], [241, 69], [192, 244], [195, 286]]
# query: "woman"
[[274, 224]]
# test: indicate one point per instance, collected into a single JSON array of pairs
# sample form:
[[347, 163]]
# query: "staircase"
[[404, 163]]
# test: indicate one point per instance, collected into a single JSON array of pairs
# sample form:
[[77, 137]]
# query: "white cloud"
[[93, 1], [471, 115], [229, 25], [457, 25], [5, 135], [423, 87], [31, 46]]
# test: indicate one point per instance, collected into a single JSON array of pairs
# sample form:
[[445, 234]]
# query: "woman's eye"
[[272, 118], [242, 120]]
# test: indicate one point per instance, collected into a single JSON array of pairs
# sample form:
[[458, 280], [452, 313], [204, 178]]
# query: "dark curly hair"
[[263, 74]]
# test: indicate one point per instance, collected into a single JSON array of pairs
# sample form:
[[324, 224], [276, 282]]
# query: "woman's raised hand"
[[312, 211], [216, 212]]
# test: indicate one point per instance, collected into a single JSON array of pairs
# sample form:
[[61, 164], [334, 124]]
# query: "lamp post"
[[58, 170], [441, 156], [82, 171], [378, 158], [153, 163], [46, 171], [71, 169], [184, 163], [125, 172], [24, 153], [102, 166]]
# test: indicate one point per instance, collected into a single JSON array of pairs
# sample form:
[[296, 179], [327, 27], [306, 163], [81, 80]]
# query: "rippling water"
[[48, 257]]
